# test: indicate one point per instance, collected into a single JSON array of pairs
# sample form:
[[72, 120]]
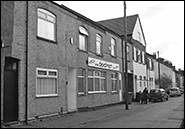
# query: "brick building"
[[58, 61]]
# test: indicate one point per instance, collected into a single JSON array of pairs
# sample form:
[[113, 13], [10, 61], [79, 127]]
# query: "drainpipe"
[[26, 85]]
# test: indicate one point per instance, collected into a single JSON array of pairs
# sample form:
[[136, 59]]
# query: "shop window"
[[96, 81]]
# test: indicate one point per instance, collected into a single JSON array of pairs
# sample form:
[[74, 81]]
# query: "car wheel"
[[161, 99]]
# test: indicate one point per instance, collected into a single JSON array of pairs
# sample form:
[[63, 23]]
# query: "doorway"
[[10, 107], [71, 90]]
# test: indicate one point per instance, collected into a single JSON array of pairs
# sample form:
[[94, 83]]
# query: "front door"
[[10, 108]]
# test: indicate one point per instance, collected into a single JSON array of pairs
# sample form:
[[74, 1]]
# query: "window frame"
[[116, 82], [84, 33], [113, 43], [101, 44], [100, 79], [47, 76], [47, 14], [84, 81]]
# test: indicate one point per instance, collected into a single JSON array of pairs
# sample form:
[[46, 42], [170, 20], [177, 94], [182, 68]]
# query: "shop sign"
[[102, 64]]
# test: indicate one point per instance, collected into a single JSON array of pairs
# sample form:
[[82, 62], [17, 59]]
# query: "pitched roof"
[[117, 24]]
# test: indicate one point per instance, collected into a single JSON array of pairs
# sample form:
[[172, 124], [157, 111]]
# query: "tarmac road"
[[167, 114]]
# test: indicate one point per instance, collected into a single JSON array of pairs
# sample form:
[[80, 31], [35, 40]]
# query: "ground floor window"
[[96, 81], [114, 82], [81, 81], [46, 83]]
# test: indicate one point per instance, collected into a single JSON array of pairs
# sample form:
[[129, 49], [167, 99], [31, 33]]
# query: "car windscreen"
[[174, 89]]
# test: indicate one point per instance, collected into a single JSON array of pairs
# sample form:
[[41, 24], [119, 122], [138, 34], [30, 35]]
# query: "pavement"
[[78, 118]]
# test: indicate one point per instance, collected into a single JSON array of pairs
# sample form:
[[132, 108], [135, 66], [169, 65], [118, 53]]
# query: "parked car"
[[182, 90], [175, 91], [158, 94]]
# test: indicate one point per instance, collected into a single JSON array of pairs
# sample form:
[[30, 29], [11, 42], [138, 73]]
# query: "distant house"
[[136, 39], [150, 71], [167, 73]]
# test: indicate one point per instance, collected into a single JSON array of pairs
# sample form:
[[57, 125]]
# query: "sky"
[[162, 23]]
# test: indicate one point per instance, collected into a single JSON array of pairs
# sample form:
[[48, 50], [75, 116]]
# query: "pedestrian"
[[145, 95], [141, 97]]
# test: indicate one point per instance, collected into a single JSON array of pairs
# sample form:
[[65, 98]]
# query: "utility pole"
[[159, 70], [126, 74]]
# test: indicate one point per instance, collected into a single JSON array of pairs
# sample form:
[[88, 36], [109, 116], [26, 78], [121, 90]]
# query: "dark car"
[[158, 94]]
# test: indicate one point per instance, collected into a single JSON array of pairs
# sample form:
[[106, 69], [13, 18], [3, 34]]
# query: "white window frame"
[[84, 33], [113, 47], [80, 93], [98, 41], [143, 57], [135, 54], [116, 81], [128, 50], [47, 76], [47, 17], [97, 77], [139, 55]]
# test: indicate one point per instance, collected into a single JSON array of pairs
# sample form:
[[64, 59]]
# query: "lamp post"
[[126, 74], [159, 70]]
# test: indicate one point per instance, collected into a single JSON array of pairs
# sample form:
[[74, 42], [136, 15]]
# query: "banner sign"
[[102, 64]]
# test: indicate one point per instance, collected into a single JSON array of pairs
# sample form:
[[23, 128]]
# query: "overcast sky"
[[162, 22]]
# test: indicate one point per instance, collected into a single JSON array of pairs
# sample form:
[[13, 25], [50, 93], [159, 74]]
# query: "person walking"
[[145, 95]]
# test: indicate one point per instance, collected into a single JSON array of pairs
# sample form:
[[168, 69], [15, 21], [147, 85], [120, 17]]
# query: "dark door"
[[10, 94]]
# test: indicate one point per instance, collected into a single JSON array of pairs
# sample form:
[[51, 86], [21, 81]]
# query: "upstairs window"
[[98, 44], [46, 24], [83, 35], [128, 50], [143, 56], [135, 54], [113, 47], [138, 55]]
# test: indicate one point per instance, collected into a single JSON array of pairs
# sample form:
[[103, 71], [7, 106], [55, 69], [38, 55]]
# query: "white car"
[[175, 91]]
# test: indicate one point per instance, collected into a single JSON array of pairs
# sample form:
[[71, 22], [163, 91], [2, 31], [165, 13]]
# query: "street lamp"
[[126, 74], [159, 70]]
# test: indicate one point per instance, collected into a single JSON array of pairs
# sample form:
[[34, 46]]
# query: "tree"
[[165, 80]]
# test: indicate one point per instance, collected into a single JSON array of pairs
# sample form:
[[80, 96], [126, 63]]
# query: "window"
[[98, 44], [46, 82], [81, 81], [144, 81], [46, 25], [143, 56], [135, 54], [96, 81], [128, 50], [114, 82], [113, 47], [83, 34], [140, 81], [138, 56]]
